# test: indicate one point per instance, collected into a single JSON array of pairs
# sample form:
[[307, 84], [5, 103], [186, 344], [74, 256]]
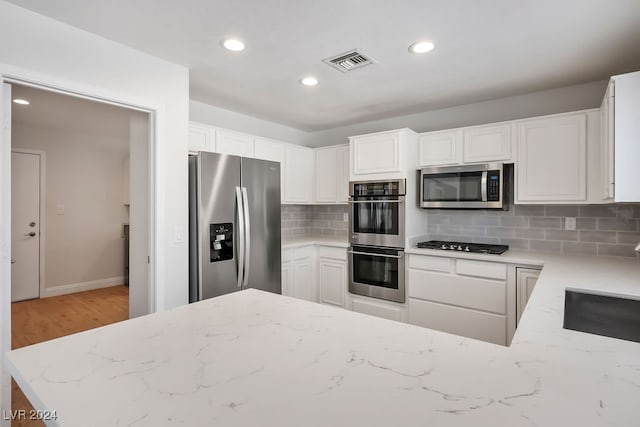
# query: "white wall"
[[219, 117], [571, 98], [67, 57], [84, 174]]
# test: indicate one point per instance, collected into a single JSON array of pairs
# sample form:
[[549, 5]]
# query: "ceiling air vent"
[[348, 61]]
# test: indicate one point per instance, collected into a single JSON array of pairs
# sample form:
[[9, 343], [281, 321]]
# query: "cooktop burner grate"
[[464, 247]]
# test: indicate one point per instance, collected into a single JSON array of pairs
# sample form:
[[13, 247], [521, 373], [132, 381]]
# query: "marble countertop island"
[[253, 358]]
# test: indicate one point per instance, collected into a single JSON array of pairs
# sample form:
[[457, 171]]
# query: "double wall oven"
[[377, 237]]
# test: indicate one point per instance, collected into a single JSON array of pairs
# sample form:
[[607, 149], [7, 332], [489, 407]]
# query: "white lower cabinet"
[[287, 272], [379, 308], [463, 297], [526, 279], [458, 320], [332, 275], [298, 273]]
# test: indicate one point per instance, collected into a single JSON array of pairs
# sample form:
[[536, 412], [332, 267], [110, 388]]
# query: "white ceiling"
[[484, 50], [73, 114]]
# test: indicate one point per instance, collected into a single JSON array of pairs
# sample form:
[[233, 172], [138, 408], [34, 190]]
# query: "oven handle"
[[376, 201], [380, 255]]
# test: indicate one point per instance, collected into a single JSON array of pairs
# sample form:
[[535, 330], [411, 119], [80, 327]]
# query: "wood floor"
[[40, 320]]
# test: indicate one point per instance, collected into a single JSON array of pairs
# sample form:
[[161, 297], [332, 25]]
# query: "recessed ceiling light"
[[233, 45], [421, 47], [21, 101], [309, 81]]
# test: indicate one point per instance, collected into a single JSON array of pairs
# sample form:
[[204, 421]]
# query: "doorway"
[[69, 217]]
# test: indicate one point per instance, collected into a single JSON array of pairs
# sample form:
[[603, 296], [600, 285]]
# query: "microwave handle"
[[483, 186]]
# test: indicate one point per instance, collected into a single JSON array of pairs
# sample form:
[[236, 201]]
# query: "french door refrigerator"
[[234, 225]]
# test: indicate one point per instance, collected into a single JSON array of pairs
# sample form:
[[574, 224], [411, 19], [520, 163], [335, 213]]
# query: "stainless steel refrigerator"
[[234, 225]]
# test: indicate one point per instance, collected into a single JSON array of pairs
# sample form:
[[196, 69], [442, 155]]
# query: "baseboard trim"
[[83, 286]]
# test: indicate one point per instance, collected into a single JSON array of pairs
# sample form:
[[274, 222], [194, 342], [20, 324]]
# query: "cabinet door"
[[303, 279], [299, 173], [266, 149], [201, 137], [332, 281], [287, 285], [376, 153], [526, 279], [343, 173], [326, 175], [487, 143], [440, 148], [607, 147], [236, 143], [552, 160]]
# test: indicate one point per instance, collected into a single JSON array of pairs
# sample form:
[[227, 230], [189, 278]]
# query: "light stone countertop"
[[294, 242], [254, 358]]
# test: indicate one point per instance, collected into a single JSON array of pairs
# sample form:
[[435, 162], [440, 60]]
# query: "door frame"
[[156, 184], [42, 213]]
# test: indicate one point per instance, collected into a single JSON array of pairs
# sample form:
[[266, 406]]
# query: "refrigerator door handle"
[[241, 237], [247, 236]]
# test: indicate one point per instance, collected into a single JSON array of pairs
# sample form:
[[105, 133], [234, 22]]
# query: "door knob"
[[13, 261], [32, 224], [32, 234]]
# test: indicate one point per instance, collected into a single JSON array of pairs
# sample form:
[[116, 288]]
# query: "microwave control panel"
[[493, 186]]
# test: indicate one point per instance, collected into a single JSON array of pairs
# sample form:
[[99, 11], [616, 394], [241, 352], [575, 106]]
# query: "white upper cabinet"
[[552, 159], [299, 173], [332, 174], [343, 173], [607, 148], [621, 138], [440, 148], [236, 143], [487, 143], [391, 153], [201, 137], [267, 149], [327, 175], [376, 153]]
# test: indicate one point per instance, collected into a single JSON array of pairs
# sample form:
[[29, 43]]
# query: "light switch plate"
[[179, 236], [59, 209]]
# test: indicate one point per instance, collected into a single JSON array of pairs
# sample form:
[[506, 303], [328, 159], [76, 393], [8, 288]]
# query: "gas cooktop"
[[464, 247]]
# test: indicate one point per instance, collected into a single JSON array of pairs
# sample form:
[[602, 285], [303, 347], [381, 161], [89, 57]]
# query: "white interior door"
[[25, 226]]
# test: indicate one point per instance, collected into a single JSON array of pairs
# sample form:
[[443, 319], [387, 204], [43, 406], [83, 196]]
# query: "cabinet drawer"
[[377, 310], [479, 294], [333, 253], [433, 263], [460, 321], [491, 270]]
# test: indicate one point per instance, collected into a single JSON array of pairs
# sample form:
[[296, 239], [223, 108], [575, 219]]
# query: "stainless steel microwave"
[[478, 186]]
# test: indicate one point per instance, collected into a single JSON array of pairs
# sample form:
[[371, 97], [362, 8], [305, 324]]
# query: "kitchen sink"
[[609, 315]]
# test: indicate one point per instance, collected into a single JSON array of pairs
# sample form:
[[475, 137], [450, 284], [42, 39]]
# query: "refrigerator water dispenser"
[[221, 241]]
